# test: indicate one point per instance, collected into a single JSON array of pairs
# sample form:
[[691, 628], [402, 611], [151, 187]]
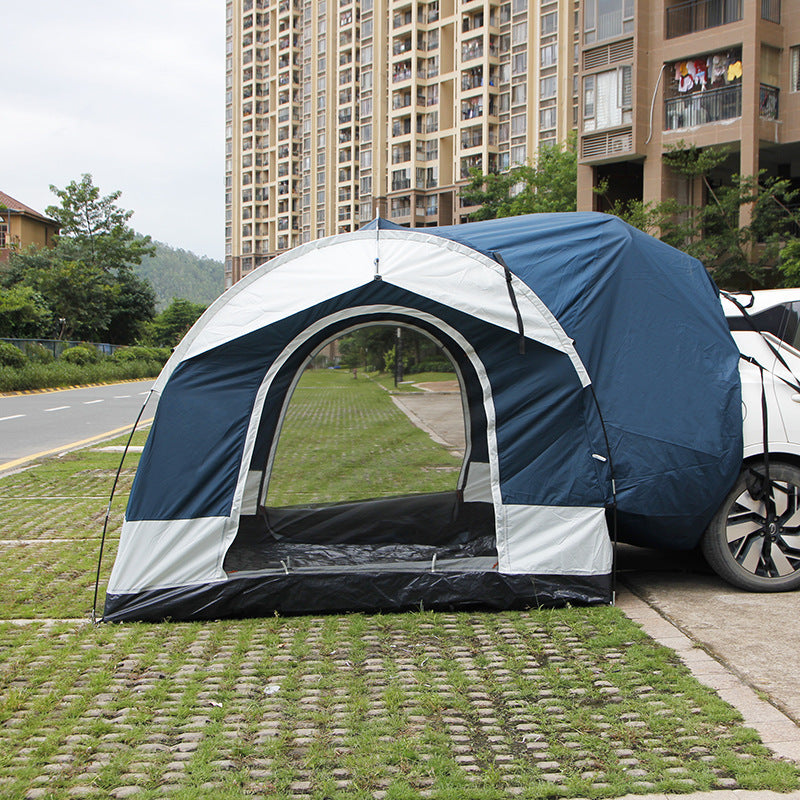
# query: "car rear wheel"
[[753, 541]]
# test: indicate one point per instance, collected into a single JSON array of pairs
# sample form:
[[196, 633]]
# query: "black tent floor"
[[418, 528]]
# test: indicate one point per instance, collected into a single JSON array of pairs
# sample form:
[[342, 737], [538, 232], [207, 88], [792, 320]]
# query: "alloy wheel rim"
[[764, 537]]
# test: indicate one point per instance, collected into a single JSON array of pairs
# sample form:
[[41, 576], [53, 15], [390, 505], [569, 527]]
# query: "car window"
[[772, 320]]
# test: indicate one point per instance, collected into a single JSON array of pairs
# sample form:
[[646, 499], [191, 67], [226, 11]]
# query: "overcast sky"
[[131, 91]]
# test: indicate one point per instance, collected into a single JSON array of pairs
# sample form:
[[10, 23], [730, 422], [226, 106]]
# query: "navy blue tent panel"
[[647, 324], [192, 470]]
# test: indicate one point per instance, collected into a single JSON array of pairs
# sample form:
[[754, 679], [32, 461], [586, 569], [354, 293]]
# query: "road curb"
[[23, 392], [778, 732]]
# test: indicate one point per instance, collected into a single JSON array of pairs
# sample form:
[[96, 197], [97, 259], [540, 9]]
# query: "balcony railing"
[[700, 108], [699, 15], [768, 97]]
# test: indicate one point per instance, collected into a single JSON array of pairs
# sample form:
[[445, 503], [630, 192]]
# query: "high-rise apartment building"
[[337, 110], [655, 73]]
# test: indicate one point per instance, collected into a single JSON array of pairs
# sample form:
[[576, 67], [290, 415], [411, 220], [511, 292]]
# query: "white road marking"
[[121, 396], [57, 408], [13, 416], [91, 402]]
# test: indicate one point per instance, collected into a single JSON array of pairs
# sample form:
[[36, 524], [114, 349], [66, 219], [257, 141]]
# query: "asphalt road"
[[33, 425]]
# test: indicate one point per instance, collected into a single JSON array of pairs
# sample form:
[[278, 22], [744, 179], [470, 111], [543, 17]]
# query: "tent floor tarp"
[[325, 591], [416, 528]]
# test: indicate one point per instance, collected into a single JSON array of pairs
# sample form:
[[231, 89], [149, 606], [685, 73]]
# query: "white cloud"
[[130, 92]]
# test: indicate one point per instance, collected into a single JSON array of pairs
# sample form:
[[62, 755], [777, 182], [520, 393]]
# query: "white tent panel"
[[554, 540], [453, 275], [155, 554]]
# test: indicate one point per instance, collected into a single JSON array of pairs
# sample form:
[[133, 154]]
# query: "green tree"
[[738, 256], [94, 229], [133, 306], [180, 273], [24, 314], [548, 183], [80, 297], [171, 325], [87, 280]]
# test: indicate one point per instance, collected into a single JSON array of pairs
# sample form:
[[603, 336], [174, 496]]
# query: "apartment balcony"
[[471, 140], [701, 108], [700, 15], [402, 19], [398, 184], [402, 72], [472, 50]]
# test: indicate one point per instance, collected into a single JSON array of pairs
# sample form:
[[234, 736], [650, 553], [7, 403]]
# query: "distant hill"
[[180, 273]]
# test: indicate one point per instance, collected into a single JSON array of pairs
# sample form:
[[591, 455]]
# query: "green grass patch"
[[544, 704], [343, 439], [540, 704]]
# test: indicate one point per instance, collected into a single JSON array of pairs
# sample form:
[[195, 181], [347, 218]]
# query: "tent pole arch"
[[313, 330]]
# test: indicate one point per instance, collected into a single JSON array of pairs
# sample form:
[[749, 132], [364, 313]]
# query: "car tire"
[[753, 541]]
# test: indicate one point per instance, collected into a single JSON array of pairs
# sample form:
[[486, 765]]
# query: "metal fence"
[[58, 346], [711, 105]]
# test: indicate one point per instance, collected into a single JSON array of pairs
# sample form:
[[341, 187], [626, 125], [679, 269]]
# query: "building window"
[[549, 23], [519, 64], [607, 99], [771, 10], [547, 118], [549, 55], [519, 124], [604, 19], [794, 78], [518, 154], [547, 87], [519, 93]]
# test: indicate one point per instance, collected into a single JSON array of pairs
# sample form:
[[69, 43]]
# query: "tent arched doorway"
[[416, 528]]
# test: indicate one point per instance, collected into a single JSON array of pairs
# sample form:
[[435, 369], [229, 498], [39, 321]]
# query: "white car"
[[753, 541]]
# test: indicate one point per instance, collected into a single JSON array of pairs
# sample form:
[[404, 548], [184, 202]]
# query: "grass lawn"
[[539, 704], [344, 439]]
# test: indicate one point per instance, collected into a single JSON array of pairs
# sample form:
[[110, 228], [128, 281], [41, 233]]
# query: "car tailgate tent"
[[596, 369]]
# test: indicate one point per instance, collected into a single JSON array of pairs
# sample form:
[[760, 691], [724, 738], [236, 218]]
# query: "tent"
[[597, 372]]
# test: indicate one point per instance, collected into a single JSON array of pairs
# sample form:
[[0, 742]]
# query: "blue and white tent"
[[596, 367]]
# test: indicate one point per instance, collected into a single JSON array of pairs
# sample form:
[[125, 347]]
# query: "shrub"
[[139, 352], [434, 366], [11, 356], [81, 354], [38, 354]]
